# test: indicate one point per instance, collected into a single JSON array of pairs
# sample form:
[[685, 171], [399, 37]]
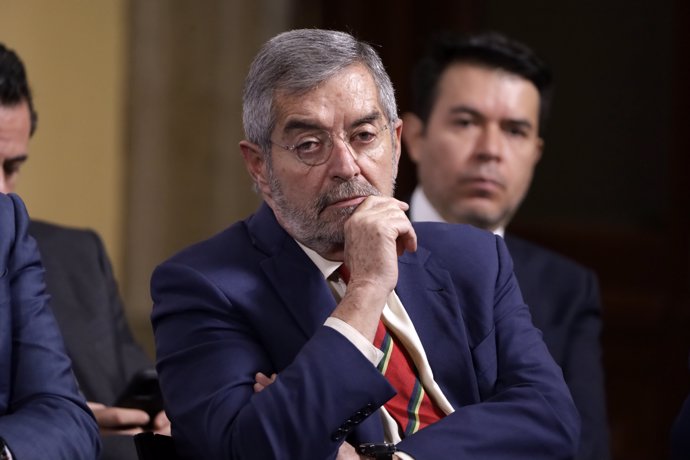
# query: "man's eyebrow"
[[517, 122], [369, 118], [10, 164], [17, 159], [297, 124], [465, 109], [460, 109], [301, 124]]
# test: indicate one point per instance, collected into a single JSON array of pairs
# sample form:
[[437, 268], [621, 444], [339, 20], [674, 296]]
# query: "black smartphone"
[[143, 392]]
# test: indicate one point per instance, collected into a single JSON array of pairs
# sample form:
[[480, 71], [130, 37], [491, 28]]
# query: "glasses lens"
[[315, 148]]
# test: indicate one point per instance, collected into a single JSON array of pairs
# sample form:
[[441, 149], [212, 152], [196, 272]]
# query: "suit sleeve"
[[525, 411], [46, 417], [208, 355]]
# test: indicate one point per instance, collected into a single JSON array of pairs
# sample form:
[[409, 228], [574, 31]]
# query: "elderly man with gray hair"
[[382, 338]]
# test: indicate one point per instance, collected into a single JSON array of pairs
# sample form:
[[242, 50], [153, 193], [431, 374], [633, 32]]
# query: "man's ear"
[[412, 135], [397, 132], [255, 162], [540, 150]]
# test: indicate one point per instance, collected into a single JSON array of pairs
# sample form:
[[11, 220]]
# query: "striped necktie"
[[411, 407]]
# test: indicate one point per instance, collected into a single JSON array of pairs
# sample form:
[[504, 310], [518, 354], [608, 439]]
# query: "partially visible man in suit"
[[42, 414], [476, 134], [79, 278], [329, 279], [680, 433]]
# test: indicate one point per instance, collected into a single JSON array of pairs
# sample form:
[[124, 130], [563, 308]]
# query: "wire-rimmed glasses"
[[314, 148]]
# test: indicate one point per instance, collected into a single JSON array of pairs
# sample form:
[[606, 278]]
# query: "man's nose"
[[343, 160], [489, 144]]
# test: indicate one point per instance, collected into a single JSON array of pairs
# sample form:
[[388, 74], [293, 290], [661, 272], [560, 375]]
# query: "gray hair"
[[298, 61]]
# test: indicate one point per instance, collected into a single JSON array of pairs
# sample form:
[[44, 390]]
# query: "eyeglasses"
[[315, 147]]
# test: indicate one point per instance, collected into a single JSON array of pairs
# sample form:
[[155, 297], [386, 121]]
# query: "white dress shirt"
[[421, 210]]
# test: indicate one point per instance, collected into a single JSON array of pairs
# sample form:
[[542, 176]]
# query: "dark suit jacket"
[[42, 414], [680, 433], [249, 299], [90, 314], [564, 300]]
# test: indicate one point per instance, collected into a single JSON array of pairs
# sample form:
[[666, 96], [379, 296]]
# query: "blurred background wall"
[[139, 107], [75, 54]]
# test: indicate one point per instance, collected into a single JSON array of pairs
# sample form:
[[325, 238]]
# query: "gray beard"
[[308, 226]]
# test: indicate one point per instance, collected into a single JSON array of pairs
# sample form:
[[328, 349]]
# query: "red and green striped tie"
[[411, 408]]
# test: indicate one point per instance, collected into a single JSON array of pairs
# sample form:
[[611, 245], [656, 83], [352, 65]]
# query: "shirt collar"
[[421, 210], [327, 267]]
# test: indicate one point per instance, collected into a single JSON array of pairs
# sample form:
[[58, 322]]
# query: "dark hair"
[[14, 86], [489, 49]]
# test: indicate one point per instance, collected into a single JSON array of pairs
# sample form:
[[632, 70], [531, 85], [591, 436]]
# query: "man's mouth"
[[482, 184], [347, 202]]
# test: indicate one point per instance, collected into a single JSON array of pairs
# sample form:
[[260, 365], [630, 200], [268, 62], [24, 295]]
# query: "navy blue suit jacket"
[[42, 414], [564, 300], [249, 300]]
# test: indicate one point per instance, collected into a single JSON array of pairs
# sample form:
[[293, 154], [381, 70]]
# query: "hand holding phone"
[[143, 393]]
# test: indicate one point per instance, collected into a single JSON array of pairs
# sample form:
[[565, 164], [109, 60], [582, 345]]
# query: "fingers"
[[376, 234], [119, 420], [94, 405], [262, 381], [347, 452], [161, 424]]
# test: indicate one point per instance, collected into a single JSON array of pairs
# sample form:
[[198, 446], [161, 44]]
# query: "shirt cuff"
[[373, 354]]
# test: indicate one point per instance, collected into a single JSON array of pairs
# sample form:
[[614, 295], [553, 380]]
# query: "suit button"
[[339, 434]]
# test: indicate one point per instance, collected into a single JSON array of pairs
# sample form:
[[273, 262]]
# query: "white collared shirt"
[[421, 210]]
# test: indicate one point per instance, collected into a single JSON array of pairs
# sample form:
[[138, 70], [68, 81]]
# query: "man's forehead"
[[349, 94], [473, 75], [483, 87]]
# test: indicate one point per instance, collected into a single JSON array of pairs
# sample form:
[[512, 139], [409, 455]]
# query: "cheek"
[[521, 177], [299, 187], [444, 158]]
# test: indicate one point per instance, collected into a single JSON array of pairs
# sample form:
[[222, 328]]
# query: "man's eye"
[[364, 137], [462, 122], [308, 146], [516, 131]]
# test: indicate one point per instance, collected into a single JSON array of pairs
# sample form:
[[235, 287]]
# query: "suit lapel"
[[426, 291], [428, 295], [298, 283]]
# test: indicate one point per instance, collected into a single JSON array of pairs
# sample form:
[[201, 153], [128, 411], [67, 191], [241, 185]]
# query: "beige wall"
[[186, 179], [73, 51], [139, 121]]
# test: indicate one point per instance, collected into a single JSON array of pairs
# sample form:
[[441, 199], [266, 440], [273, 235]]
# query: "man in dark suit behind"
[[88, 309], [479, 107], [79, 278]]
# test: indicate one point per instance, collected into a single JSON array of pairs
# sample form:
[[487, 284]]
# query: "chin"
[[482, 218]]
